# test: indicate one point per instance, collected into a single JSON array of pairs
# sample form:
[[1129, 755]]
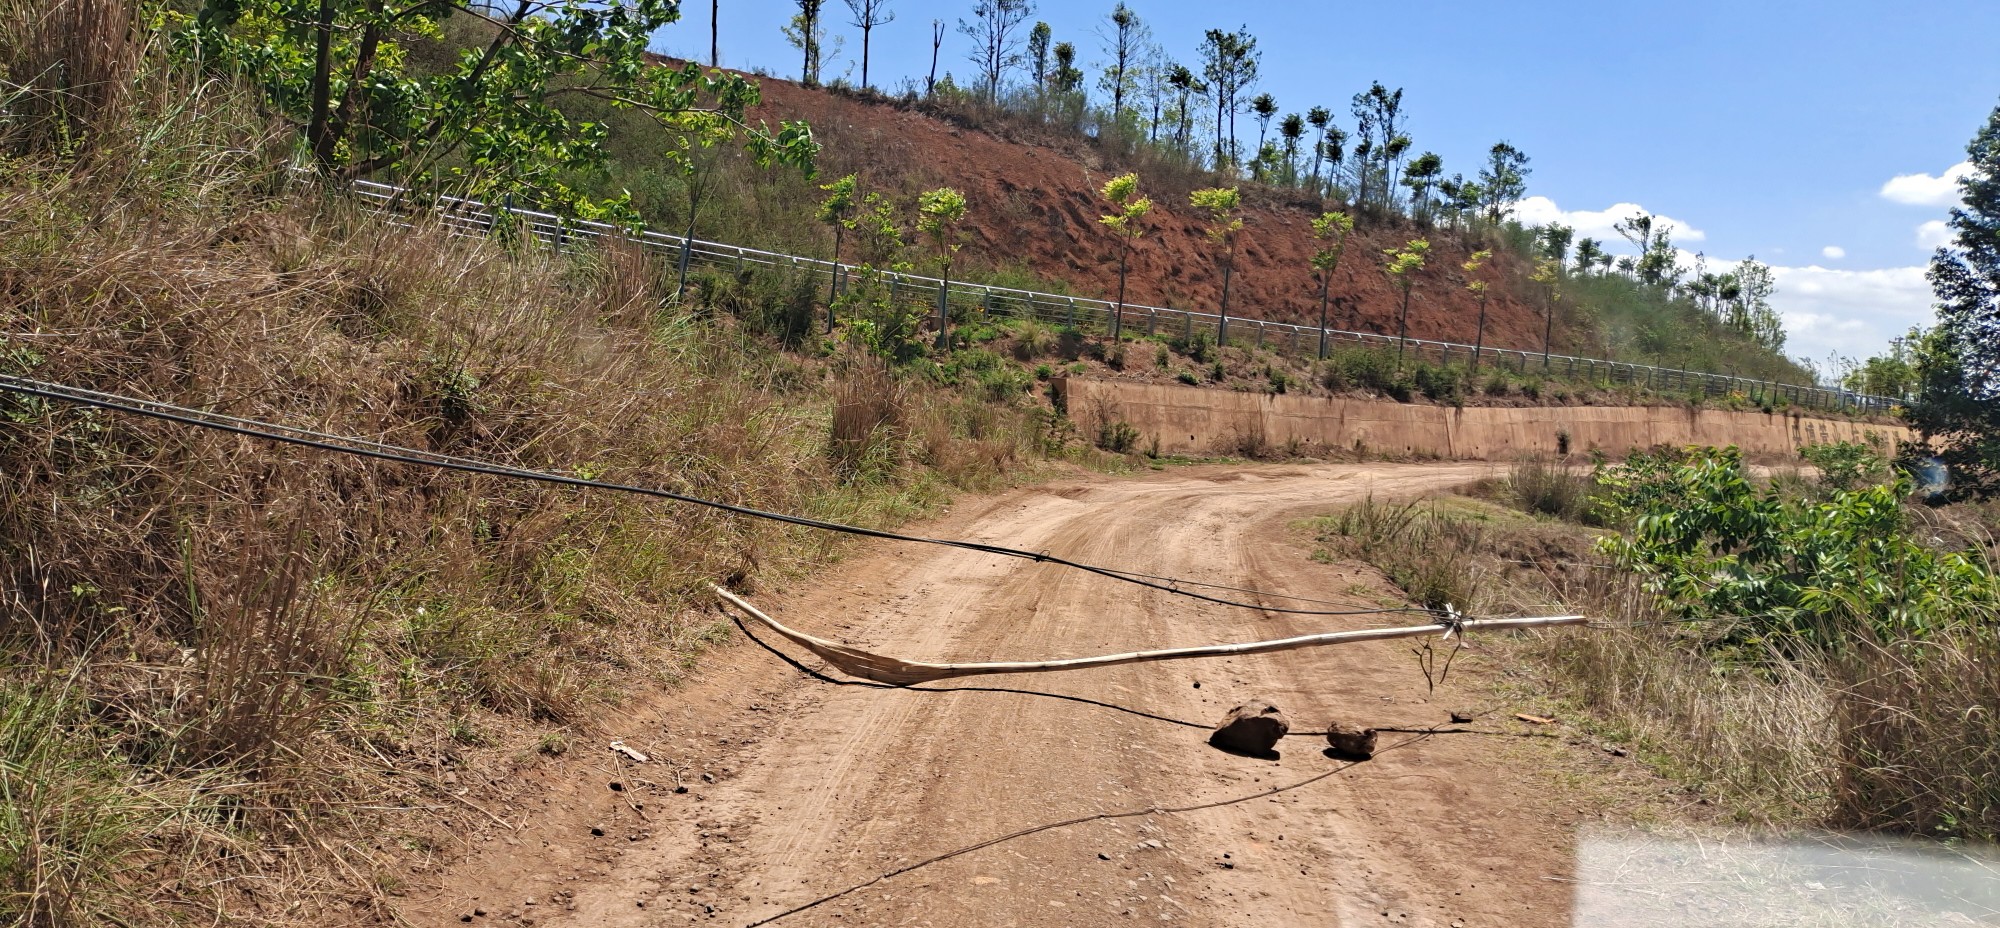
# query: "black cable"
[[361, 447]]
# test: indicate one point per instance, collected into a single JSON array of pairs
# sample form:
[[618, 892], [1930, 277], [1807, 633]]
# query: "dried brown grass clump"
[[284, 621], [1918, 737], [68, 69], [869, 410]]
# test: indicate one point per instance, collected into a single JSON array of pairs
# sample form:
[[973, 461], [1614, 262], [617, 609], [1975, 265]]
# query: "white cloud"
[[1933, 234], [1854, 313], [1597, 224], [1926, 190], [1833, 252]]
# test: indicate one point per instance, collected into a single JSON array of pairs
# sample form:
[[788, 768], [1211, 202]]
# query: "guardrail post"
[[1152, 322], [1072, 313]]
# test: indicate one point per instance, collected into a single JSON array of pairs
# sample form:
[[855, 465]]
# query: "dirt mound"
[[1036, 205]]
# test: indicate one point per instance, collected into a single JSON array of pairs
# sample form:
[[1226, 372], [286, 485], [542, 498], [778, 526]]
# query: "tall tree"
[[1958, 402], [1379, 141], [1403, 266], [808, 35], [1264, 108], [1066, 78], [1153, 69], [867, 15], [1333, 230], [1555, 239], [1421, 176], [1478, 287], [1038, 55], [1755, 283], [1503, 181], [1184, 81], [995, 31], [485, 126], [1221, 203], [937, 42], [939, 213], [1124, 36], [1549, 274], [1229, 61], [837, 211], [1587, 252], [1293, 130], [1319, 117], [1122, 192]]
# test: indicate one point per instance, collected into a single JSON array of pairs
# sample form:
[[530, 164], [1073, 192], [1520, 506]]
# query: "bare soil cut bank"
[[1186, 420]]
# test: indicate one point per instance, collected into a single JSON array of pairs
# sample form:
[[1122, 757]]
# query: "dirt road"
[[797, 787]]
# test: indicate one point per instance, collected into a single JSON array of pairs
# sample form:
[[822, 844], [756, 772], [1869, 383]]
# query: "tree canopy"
[[486, 125], [1958, 404]]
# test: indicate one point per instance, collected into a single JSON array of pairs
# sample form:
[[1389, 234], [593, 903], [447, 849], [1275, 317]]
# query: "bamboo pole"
[[885, 669]]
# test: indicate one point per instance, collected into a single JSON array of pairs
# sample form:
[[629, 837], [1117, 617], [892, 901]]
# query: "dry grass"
[[242, 636], [1546, 487], [69, 67]]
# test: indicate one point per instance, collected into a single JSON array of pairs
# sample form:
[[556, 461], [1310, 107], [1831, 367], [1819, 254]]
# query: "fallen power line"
[[884, 669], [362, 447]]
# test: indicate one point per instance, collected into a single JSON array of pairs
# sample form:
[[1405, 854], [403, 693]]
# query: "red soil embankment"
[[1037, 206]]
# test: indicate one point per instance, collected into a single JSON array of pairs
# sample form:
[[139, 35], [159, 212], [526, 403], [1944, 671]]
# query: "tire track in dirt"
[[845, 782]]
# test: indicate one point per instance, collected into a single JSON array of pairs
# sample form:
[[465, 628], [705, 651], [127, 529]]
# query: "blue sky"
[[1774, 128]]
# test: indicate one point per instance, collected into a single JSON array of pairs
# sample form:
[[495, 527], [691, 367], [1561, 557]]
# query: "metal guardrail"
[[1095, 316]]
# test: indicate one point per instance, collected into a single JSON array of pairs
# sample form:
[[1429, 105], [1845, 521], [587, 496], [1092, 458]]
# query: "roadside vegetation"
[[241, 679], [1815, 647]]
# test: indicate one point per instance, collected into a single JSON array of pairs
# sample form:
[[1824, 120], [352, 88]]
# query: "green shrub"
[[1714, 547], [1117, 436], [1187, 377], [1846, 465]]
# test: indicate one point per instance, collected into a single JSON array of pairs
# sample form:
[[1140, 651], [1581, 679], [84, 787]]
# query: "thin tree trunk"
[[944, 310], [864, 55], [1325, 283], [937, 40], [1479, 343], [1118, 319], [833, 289], [714, 29], [1548, 329], [1222, 317], [319, 131], [1403, 327]]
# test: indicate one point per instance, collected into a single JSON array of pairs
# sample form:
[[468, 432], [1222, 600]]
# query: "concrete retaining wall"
[[1191, 420]]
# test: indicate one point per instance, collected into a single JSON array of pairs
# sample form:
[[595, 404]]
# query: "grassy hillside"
[[227, 658], [1032, 189]]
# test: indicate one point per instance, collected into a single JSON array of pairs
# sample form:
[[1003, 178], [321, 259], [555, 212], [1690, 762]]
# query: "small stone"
[[1103, 856], [617, 787], [1462, 716], [465, 918], [680, 789], [1351, 741], [1252, 728], [708, 778], [479, 913], [595, 833]]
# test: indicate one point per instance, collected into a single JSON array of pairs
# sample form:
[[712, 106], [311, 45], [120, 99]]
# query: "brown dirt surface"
[[798, 785], [1033, 197]]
